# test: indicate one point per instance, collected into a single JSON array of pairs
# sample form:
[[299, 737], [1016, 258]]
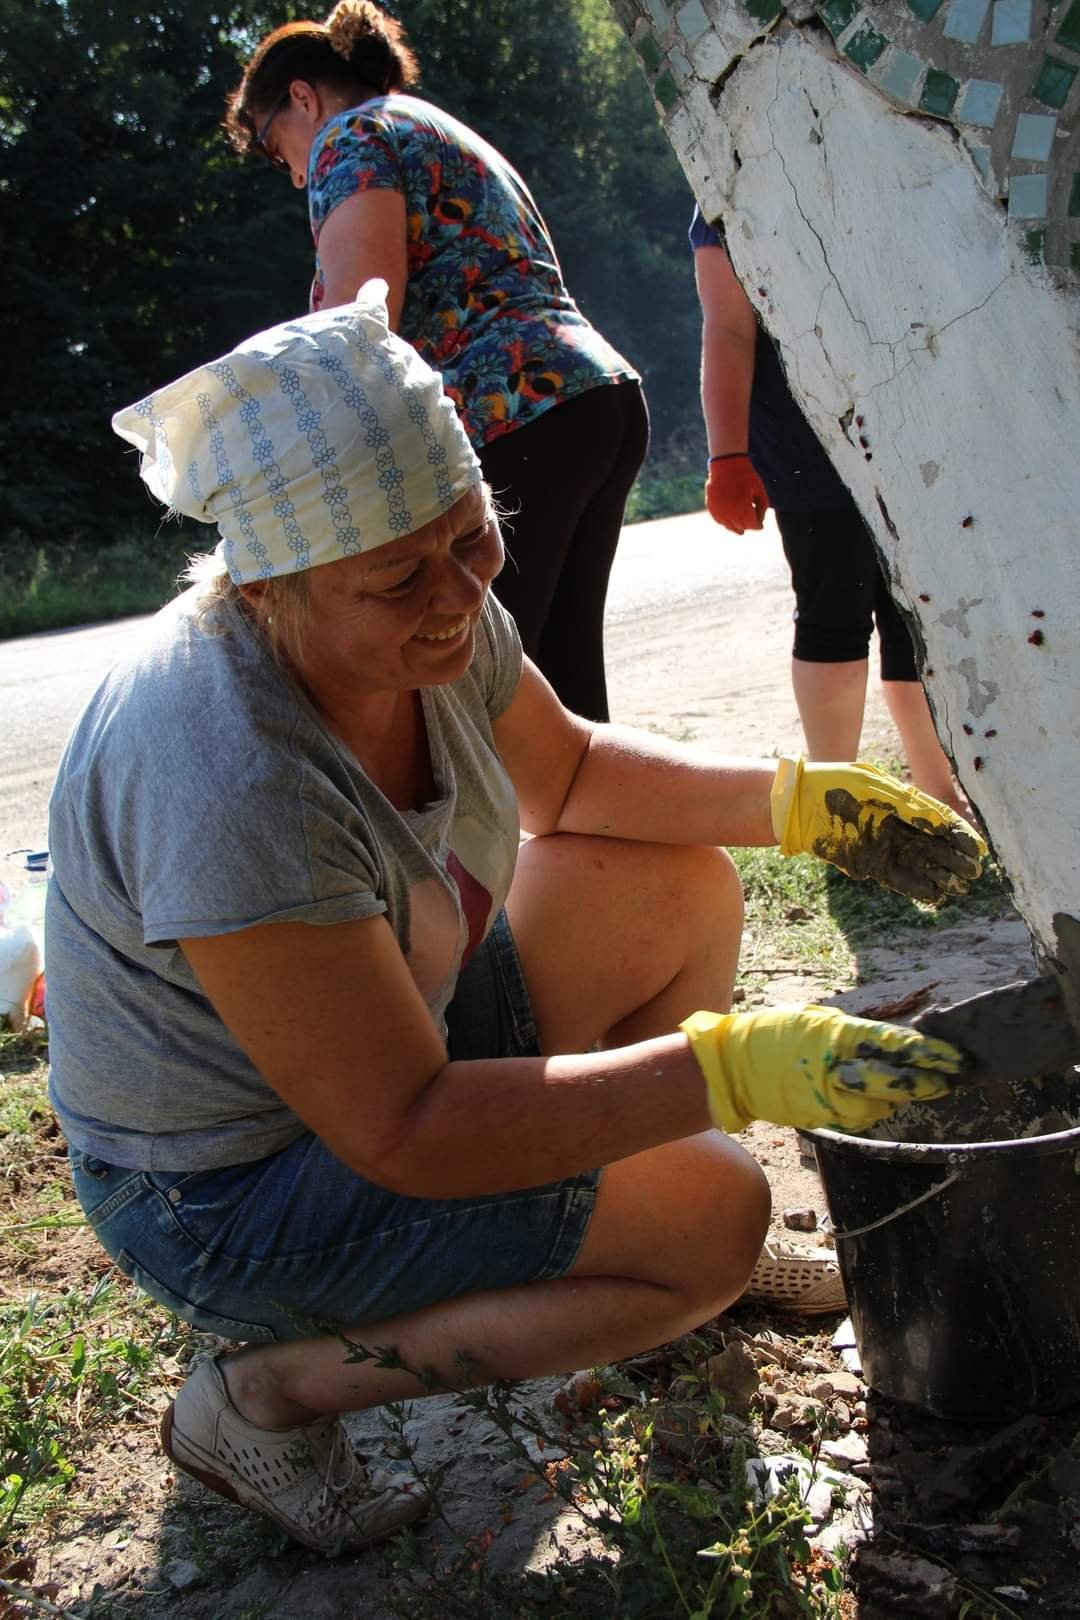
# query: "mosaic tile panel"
[[901, 75], [1027, 196], [1002, 71], [666, 92], [964, 19], [1011, 23], [837, 14], [865, 45], [1034, 137], [1054, 83], [1069, 32], [979, 103], [692, 21], [648, 50], [939, 93]]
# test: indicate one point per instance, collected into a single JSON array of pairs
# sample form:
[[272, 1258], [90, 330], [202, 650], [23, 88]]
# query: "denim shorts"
[[297, 1244]]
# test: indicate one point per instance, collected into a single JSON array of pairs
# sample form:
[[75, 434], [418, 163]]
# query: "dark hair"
[[359, 48]]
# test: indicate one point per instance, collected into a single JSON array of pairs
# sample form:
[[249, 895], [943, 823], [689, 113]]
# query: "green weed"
[[672, 1540], [61, 1361]]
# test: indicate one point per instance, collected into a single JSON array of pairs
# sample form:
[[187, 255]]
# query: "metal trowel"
[[1021, 1030]]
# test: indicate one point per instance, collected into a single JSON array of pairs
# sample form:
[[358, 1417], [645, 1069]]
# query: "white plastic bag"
[[20, 969], [22, 946]]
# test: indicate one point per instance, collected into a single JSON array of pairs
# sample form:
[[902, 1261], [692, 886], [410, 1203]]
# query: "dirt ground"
[[719, 678]]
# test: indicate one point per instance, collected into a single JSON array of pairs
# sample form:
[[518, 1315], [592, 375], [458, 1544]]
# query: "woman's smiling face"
[[404, 615]]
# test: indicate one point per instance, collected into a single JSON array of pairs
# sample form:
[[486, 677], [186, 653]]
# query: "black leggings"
[[840, 592], [563, 481]]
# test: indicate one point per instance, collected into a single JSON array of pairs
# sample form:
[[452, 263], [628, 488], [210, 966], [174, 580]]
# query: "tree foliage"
[[136, 246]]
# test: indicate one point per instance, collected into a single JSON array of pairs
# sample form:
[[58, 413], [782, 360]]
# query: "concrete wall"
[[919, 272]]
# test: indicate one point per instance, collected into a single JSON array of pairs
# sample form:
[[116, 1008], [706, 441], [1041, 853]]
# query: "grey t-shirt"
[[200, 793]]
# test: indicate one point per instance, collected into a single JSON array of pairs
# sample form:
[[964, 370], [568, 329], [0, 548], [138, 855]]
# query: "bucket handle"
[[872, 1226]]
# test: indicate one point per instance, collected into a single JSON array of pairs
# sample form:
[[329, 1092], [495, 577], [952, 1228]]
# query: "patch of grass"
[[787, 916], [806, 914], [868, 914]]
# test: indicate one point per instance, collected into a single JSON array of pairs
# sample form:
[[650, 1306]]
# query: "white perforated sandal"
[[309, 1481], [787, 1280]]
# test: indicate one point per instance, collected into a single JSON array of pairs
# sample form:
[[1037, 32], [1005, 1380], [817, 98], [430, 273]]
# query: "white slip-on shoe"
[[310, 1481], [789, 1280]]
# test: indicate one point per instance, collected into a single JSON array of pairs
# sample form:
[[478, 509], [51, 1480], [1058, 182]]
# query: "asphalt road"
[[661, 567]]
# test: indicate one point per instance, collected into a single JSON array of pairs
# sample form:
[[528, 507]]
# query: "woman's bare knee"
[[619, 940], [689, 1217]]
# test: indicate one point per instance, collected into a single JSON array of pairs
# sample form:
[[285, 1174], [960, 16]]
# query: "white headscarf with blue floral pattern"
[[315, 440]]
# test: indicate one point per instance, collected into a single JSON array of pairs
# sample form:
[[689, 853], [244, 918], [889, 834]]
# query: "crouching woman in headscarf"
[[339, 1058]]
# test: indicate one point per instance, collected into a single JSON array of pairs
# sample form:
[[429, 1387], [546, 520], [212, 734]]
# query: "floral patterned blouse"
[[485, 301]]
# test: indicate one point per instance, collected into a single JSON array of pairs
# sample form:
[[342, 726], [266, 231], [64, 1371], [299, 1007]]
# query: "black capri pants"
[[840, 593], [563, 481]]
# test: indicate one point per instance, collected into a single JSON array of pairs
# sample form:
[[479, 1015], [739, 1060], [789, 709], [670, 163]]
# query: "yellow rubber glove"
[[870, 825], [811, 1066]]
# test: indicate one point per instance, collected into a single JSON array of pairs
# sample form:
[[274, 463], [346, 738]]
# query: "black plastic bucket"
[[961, 1262]]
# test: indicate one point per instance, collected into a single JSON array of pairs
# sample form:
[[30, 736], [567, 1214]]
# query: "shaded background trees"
[[136, 246]]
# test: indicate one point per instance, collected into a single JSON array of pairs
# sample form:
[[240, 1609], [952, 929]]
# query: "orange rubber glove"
[[734, 494]]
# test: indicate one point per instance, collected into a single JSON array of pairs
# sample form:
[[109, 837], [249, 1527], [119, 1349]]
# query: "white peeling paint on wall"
[[941, 370]]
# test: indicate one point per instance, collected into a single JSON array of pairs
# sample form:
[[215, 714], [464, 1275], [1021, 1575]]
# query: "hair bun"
[[351, 23]]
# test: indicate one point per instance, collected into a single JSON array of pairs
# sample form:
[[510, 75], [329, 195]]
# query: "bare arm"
[[365, 236], [728, 336], [573, 776], [332, 1020]]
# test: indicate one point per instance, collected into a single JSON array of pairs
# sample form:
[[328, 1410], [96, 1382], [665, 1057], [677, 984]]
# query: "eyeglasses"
[[260, 134]]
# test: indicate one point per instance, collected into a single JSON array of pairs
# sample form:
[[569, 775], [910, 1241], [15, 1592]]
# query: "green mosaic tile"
[[666, 91], [1074, 255], [1028, 196], [1054, 82], [649, 51], [1074, 196], [836, 14], [925, 10], [767, 11], [939, 93], [1033, 139], [865, 45], [1069, 32], [1035, 246], [900, 74]]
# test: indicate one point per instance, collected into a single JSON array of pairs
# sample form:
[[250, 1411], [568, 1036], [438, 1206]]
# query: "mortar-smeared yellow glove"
[[811, 1066], [870, 825]]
